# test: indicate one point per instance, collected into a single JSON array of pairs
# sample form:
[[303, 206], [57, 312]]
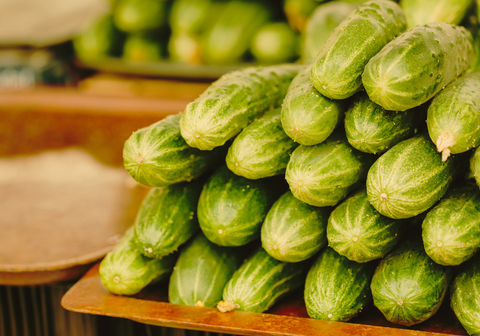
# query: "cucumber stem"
[[444, 142]]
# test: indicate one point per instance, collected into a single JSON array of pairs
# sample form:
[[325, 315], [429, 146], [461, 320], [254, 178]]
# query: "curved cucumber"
[[420, 12], [454, 116], [337, 70], [418, 64], [125, 271], [201, 272], [262, 149], [232, 102], [294, 231], [308, 117], [336, 288]]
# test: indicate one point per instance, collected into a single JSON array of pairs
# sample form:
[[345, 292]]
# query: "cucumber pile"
[[372, 199]]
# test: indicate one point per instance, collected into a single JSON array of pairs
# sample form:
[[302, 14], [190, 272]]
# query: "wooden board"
[[289, 317]]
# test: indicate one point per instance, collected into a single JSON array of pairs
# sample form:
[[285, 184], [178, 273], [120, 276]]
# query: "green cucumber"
[[415, 66], [372, 129], [275, 43], [475, 165], [189, 16], [134, 16], [231, 209], [420, 12], [410, 177], [125, 271], [454, 116], [307, 116], [408, 287], [201, 272], [158, 156], [357, 231], [337, 70], [232, 102], [260, 282], [262, 149], [294, 231], [141, 47], [465, 297], [322, 175], [451, 230], [167, 219], [336, 288]]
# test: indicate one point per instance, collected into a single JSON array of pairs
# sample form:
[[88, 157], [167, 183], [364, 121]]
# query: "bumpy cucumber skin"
[[372, 129], [408, 287], [322, 175], [158, 156], [201, 272], [420, 12], [125, 271], [455, 114], [475, 166], [167, 219], [308, 117], [451, 230], [262, 149], [415, 66], [410, 177], [231, 209], [232, 102], [336, 288], [359, 232], [294, 231], [338, 68], [262, 280], [465, 297]]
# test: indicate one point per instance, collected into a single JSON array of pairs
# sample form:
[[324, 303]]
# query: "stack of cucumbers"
[[353, 177]]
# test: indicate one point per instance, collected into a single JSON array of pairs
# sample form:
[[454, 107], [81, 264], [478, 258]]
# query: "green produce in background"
[[260, 282], [322, 175], [189, 16], [454, 116], [372, 129], [336, 288], [184, 48], [298, 11], [125, 271], [262, 149], [294, 231], [232, 102], [167, 218], [465, 297], [338, 68], [321, 25], [451, 230], [475, 66], [408, 287], [475, 166], [157, 155], [420, 12], [141, 47], [201, 272], [308, 117], [359, 232], [134, 16], [392, 78], [275, 43]]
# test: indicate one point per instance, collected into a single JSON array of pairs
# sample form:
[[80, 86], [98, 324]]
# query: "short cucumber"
[[294, 231], [420, 12]]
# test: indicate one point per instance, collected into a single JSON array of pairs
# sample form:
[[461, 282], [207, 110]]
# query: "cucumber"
[[262, 149], [158, 156], [308, 117], [454, 116], [275, 43], [336, 288], [465, 297], [231, 209], [260, 282], [232, 102], [322, 175], [189, 16], [134, 16], [337, 70], [201, 272], [141, 47], [125, 271], [451, 230], [294, 231], [475, 166], [401, 76], [320, 25], [357, 231], [408, 287], [167, 219], [420, 12], [372, 129], [410, 177]]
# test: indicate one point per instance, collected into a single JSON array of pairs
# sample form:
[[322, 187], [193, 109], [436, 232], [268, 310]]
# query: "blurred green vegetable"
[[139, 15], [189, 16], [297, 12], [420, 12], [275, 43], [143, 47], [185, 48]]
